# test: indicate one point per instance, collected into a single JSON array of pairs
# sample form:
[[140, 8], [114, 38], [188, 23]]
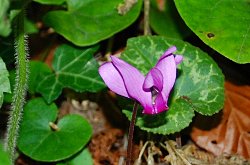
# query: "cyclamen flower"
[[152, 91]]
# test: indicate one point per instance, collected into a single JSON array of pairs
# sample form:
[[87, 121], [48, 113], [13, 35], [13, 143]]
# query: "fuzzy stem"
[[21, 53], [130, 134], [146, 17]]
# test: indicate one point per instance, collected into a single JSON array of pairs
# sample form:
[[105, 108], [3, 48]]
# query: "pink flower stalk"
[[152, 91]]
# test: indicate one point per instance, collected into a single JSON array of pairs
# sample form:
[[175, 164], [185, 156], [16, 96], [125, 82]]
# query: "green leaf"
[[83, 156], [74, 68], [49, 2], [178, 117], [222, 25], [88, 22], [29, 26], [38, 70], [199, 84], [4, 157], [4, 81], [8, 12], [50, 88], [167, 21], [40, 142], [5, 27], [12, 78]]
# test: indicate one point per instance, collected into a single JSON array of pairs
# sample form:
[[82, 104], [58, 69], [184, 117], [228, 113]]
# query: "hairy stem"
[[21, 53], [146, 17], [130, 134]]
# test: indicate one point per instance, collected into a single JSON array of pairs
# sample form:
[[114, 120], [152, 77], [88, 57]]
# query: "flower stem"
[[20, 85], [130, 134], [146, 17]]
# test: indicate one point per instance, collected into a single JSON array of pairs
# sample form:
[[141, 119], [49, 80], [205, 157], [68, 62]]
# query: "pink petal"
[[168, 52], [113, 79], [159, 106], [133, 80], [178, 59], [154, 78], [167, 66]]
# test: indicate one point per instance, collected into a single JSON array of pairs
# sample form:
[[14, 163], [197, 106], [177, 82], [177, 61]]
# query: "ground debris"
[[189, 154], [107, 147]]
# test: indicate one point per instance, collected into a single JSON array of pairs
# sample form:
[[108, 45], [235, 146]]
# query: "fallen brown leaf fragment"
[[227, 132]]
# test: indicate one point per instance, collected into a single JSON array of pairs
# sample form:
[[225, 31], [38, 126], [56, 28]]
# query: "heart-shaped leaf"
[[4, 80], [177, 118], [75, 68], [91, 21], [166, 21], [44, 140], [222, 25], [83, 156], [199, 85]]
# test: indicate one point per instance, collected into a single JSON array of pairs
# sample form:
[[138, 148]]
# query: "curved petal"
[[133, 80], [168, 52], [158, 107], [154, 78], [113, 79], [178, 59], [167, 66], [160, 104]]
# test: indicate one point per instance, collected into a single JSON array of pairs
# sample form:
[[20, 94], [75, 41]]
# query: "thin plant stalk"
[[146, 17], [178, 140], [131, 134], [21, 54]]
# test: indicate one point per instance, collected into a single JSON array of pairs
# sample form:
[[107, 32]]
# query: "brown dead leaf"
[[228, 131]]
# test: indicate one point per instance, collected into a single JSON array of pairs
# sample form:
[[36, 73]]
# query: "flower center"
[[154, 93]]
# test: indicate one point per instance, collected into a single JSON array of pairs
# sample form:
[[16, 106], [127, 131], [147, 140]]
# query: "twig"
[[138, 161], [174, 152]]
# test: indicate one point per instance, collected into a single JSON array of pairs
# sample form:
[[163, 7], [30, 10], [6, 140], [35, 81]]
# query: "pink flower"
[[152, 91]]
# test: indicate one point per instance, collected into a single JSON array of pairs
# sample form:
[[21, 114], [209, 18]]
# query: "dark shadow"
[[207, 122], [154, 121]]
